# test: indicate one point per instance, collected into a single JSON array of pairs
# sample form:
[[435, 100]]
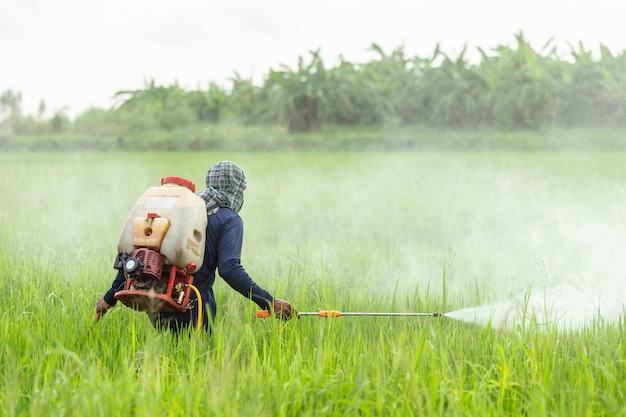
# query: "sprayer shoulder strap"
[[214, 208]]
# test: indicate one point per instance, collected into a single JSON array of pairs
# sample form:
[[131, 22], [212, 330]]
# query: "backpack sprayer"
[[161, 245]]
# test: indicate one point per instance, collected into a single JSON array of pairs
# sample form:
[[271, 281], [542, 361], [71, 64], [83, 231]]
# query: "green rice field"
[[524, 251]]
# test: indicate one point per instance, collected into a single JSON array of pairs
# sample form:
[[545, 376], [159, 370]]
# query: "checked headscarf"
[[225, 182]]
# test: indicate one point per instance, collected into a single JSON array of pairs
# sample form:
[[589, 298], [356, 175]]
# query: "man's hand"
[[284, 310], [101, 308]]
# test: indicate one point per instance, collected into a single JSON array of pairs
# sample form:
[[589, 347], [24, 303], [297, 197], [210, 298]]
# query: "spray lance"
[[335, 313]]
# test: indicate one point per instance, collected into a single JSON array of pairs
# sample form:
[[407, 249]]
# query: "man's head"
[[229, 180]]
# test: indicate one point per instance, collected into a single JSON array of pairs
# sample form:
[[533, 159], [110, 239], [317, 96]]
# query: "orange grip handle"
[[263, 314], [329, 313]]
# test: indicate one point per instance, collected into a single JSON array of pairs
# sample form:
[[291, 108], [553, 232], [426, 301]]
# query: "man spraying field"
[[223, 198]]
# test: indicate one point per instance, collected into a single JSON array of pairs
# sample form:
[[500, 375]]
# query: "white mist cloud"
[[579, 280]]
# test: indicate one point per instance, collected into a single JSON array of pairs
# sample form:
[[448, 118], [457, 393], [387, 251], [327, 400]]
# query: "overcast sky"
[[77, 53]]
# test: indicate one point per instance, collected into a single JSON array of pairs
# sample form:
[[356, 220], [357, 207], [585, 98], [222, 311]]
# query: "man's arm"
[[230, 269], [108, 300]]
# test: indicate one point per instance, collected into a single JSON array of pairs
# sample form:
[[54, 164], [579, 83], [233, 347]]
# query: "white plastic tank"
[[171, 219]]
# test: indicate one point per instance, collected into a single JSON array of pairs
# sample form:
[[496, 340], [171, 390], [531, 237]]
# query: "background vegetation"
[[508, 89]]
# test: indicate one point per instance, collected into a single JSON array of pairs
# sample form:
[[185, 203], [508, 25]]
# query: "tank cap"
[[179, 181]]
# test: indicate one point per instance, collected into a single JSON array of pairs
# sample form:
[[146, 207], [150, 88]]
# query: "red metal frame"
[[141, 300]]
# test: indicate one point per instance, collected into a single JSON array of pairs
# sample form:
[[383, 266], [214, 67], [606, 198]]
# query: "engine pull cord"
[[199, 325]]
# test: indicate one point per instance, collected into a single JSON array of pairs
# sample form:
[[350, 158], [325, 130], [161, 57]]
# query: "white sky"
[[77, 53]]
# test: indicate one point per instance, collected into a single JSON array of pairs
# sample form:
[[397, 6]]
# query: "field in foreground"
[[421, 231]]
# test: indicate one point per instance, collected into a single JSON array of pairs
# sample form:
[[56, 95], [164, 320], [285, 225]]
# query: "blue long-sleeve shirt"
[[224, 240]]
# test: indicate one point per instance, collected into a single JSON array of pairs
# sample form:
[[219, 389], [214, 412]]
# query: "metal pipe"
[[335, 313]]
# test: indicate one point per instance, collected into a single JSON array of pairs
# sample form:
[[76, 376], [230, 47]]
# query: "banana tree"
[[353, 97], [613, 70], [246, 102], [155, 107], [300, 94], [579, 89], [207, 105], [396, 78], [456, 93], [521, 86]]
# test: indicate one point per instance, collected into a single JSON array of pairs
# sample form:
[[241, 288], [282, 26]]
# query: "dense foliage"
[[510, 88]]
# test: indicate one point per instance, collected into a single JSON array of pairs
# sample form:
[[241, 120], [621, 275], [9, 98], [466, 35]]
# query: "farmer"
[[225, 182]]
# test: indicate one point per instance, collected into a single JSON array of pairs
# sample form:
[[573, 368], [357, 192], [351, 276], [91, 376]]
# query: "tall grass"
[[354, 232]]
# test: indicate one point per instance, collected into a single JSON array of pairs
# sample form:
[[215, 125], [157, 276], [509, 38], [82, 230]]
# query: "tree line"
[[508, 88]]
